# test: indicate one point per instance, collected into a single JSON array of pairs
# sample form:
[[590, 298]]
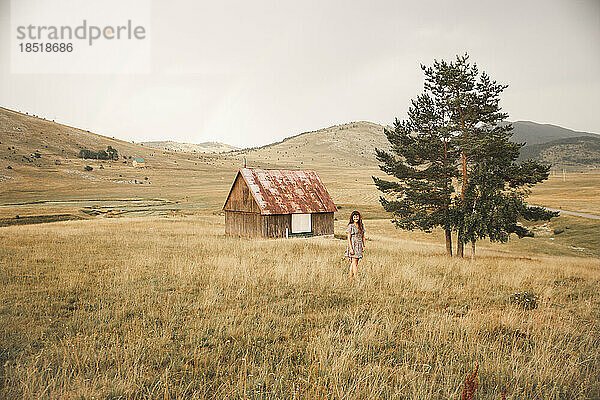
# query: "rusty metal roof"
[[281, 191]]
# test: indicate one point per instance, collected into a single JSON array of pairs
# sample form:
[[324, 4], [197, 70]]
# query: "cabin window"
[[301, 223]]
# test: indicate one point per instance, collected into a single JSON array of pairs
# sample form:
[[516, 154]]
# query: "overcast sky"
[[251, 72]]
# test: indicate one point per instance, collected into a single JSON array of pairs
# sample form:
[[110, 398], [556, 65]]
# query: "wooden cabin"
[[139, 162], [278, 203]]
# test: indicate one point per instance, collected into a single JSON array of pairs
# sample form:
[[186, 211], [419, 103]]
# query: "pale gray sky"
[[249, 73]]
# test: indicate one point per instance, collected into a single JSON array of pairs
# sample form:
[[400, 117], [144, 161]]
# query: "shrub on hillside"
[[88, 168], [525, 300], [109, 154]]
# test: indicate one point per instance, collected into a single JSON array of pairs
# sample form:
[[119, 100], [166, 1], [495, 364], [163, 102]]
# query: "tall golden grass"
[[171, 308]]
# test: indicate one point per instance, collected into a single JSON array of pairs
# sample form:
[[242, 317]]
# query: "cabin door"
[[301, 223]]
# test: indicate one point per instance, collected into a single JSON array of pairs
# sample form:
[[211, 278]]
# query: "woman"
[[356, 241]]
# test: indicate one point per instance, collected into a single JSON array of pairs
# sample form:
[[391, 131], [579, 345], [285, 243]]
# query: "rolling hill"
[[26, 135], [38, 162], [341, 146], [40, 172], [353, 145], [205, 147]]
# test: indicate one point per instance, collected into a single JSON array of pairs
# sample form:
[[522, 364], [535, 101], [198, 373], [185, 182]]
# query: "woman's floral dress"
[[357, 242]]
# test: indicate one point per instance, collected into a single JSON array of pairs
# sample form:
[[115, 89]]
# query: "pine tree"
[[458, 81], [423, 158], [456, 130], [493, 186]]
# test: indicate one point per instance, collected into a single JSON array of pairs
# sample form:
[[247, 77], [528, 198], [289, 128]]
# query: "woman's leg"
[[354, 267]]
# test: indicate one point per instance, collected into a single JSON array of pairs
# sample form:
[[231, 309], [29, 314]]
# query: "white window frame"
[[301, 223]]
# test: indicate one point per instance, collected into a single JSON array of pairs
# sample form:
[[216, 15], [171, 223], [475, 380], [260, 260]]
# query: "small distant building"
[[139, 162], [278, 203]]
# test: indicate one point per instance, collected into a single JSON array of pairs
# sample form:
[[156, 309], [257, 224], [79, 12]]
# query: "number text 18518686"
[[46, 47]]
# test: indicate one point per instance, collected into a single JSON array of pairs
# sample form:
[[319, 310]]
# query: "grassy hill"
[[353, 144], [41, 173], [31, 146], [205, 147], [341, 146], [56, 182], [26, 135]]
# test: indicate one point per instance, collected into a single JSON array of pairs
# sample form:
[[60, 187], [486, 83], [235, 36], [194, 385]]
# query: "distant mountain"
[[575, 151], [205, 147], [556, 145], [533, 133]]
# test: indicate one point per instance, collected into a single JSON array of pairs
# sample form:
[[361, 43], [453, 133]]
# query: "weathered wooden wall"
[[274, 225], [255, 225], [322, 223], [243, 224], [240, 198]]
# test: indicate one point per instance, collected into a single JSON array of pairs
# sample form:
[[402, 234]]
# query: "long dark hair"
[[361, 227]]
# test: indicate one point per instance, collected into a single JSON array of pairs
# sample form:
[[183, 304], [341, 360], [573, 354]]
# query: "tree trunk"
[[448, 242], [472, 251], [465, 176], [460, 245]]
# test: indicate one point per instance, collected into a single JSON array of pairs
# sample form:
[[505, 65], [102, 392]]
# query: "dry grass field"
[[160, 307], [142, 295], [578, 192]]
